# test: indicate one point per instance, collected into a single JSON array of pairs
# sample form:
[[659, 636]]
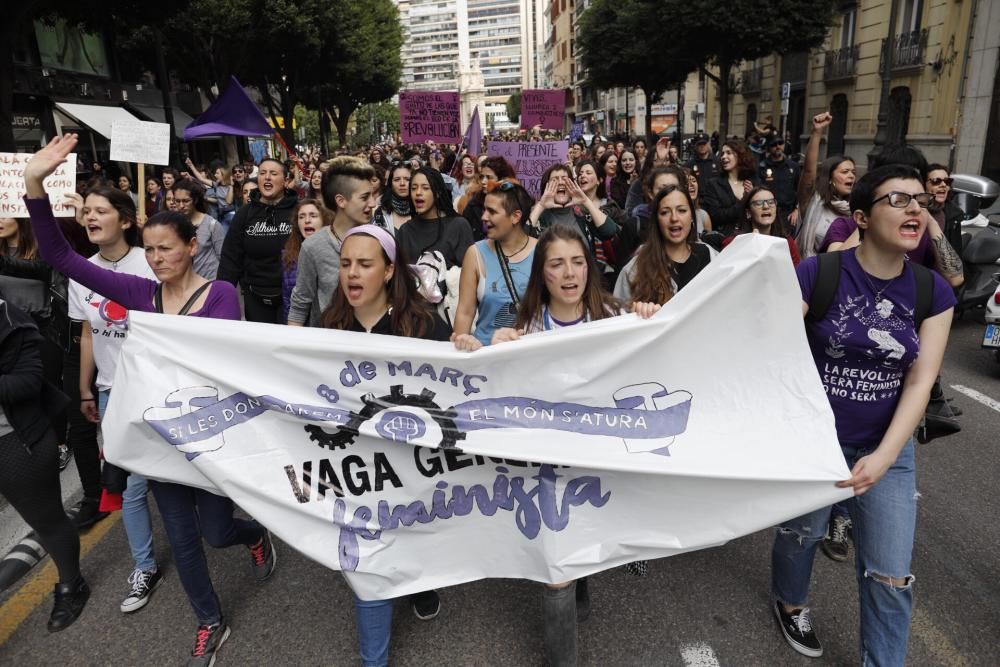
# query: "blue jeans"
[[374, 619], [190, 514], [884, 520], [135, 510]]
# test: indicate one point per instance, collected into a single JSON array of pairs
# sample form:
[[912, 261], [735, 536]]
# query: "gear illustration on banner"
[[396, 425]]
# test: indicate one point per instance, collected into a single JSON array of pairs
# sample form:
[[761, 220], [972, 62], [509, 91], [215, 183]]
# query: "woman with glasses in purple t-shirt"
[[878, 364]]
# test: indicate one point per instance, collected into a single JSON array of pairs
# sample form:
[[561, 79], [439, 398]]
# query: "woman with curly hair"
[[725, 195]]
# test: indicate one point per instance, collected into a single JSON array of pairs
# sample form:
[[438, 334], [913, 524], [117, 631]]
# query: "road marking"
[[37, 589], [699, 655], [940, 647], [977, 396]]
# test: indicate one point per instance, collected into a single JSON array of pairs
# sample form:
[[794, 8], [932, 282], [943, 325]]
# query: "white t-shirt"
[[108, 321]]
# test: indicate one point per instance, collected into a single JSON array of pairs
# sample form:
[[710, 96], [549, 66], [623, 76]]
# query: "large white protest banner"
[[140, 141], [404, 463], [57, 185]]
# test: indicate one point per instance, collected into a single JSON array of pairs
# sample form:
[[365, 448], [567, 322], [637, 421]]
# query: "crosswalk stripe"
[[977, 396]]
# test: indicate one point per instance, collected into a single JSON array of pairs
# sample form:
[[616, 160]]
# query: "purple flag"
[[233, 113], [474, 135]]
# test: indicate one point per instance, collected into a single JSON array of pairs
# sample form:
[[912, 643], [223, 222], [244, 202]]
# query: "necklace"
[[878, 292], [114, 262], [519, 250]]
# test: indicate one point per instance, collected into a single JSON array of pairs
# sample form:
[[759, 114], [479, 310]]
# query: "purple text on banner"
[[429, 116], [543, 107], [530, 159]]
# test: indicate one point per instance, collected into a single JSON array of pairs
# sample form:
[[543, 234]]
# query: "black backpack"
[[828, 280]]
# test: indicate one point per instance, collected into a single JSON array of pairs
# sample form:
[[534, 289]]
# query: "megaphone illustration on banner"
[[649, 396], [181, 403]]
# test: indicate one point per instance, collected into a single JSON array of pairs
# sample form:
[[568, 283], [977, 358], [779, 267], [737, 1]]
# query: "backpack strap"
[[158, 298], [924, 280], [825, 287]]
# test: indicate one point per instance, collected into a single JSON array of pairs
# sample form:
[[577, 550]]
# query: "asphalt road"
[[703, 608]]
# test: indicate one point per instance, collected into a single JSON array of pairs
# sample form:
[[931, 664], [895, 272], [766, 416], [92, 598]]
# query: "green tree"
[[359, 62], [624, 43], [726, 32], [514, 107]]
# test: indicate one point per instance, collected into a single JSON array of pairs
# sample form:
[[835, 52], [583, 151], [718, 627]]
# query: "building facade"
[[943, 82], [449, 42]]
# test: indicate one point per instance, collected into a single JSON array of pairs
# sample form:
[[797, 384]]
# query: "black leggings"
[[30, 482]]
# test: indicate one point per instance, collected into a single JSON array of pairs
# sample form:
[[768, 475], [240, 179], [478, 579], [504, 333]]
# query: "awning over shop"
[[158, 115], [95, 117]]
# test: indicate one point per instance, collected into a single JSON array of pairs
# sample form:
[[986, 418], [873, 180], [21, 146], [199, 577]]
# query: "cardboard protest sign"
[[543, 107], [410, 466], [530, 159], [140, 142], [61, 183], [429, 116]]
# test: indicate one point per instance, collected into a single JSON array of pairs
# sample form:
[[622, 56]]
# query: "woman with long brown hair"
[[309, 216], [670, 257], [725, 194], [377, 293], [564, 290]]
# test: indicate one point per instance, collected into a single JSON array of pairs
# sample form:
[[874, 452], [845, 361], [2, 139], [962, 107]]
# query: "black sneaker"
[[207, 643], [836, 545], [582, 600], [70, 599], [65, 456], [798, 630], [142, 584], [86, 513], [263, 557], [426, 605]]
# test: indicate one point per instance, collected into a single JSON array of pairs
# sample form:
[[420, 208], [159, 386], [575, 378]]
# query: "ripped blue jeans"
[[884, 520]]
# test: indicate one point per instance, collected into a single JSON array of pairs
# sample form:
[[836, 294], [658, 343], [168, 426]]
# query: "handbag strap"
[[158, 298], [505, 268]]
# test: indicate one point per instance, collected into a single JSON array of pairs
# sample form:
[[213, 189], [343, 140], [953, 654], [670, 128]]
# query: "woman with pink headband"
[[378, 294]]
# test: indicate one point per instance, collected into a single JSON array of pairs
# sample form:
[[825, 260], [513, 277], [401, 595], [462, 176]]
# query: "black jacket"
[[727, 211], [25, 397], [251, 253]]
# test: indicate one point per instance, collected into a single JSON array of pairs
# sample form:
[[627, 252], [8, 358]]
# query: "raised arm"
[[807, 182], [133, 292], [197, 174]]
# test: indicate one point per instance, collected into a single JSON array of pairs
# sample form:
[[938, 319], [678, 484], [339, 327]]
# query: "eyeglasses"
[[763, 203], [238, 170], [502, 186], [903, 199], [938, 181]]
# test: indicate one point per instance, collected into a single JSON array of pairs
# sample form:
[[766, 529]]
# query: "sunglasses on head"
[[938, 181], [502, 186]]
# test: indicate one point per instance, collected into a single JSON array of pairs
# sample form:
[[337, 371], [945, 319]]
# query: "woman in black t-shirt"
[[377, 294], [671, 256], [435, 225]]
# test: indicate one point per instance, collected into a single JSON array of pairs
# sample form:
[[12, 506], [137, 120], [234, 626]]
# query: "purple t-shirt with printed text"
[[863, 347]]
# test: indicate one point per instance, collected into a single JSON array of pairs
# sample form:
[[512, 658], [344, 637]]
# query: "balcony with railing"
[[908, 51], [750, 80], [841, 64]]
